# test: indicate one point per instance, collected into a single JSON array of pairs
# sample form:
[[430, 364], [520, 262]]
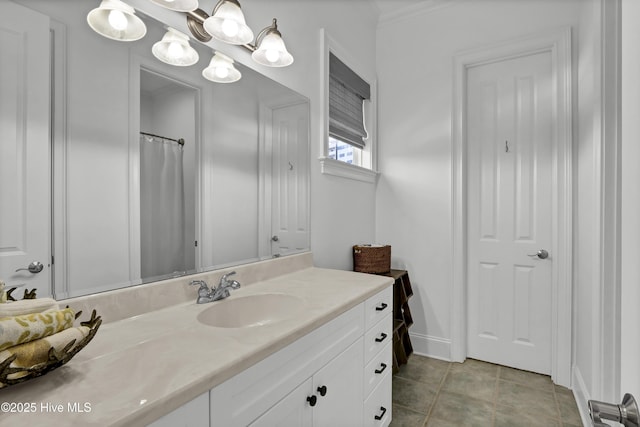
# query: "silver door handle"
[[626, 413], [34, 267], [542, 254]]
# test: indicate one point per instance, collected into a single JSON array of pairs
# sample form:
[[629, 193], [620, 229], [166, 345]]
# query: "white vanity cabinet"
[[331, 397], [286, 388], [192, 414]]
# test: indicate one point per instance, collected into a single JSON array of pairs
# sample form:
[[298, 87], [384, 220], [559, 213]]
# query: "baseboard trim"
[[435, 347], [581, 395]]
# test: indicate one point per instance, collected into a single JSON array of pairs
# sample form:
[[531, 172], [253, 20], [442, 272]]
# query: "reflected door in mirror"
[[289, 224], [25, 213]]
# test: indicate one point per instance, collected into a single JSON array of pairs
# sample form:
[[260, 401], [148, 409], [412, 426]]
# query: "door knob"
[[542, 254], [34, 267], [626, 413], [275, 238]]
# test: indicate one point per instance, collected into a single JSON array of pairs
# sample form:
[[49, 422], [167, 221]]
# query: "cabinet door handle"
[[382, 337], [383, 411], [322, 390], [312, 400], [383, 366], [381, 307]]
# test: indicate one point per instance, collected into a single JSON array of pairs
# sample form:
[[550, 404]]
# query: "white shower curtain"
[[162, 217]]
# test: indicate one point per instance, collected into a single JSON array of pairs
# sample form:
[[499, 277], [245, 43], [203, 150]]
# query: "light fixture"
[[270, 48], [221, 69], [174, 49], [227, 23], [116, 20], [178, 5]]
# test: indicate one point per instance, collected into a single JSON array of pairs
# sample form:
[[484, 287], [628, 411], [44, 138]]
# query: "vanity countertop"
[[140, 368]]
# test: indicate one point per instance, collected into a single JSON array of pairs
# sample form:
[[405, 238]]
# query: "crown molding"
[[419, 8]]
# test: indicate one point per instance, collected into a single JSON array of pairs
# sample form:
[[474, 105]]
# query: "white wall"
[[586, 267], [231, 174], [414, 197], [630, 348], [597, 201]]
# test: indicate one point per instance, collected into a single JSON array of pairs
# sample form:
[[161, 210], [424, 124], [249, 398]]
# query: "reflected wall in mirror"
[[244, 166]]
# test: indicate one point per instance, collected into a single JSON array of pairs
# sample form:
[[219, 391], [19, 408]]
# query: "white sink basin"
[[251, 310]]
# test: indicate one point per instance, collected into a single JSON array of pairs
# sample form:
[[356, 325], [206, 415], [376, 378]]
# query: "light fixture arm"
[[196, 18], [195, 21], [273, 28]]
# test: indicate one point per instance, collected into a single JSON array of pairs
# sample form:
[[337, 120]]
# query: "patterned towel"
[[27, 306], [36, 352], [16, 330]]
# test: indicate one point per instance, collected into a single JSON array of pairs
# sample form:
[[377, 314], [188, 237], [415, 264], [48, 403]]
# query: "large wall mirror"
[[156, 172]]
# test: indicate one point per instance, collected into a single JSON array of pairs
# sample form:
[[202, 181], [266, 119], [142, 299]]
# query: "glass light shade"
[[272, 52], [174, 49], [228, 25], [221, 70], [178, 5], [116, 20]]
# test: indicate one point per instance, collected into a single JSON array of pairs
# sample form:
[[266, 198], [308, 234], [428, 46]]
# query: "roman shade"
[[347, 91]]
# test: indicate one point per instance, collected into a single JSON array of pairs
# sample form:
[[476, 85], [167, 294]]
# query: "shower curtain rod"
[[179, 141]]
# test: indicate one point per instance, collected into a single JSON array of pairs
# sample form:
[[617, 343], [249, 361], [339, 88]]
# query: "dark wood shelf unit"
[[402, 291]]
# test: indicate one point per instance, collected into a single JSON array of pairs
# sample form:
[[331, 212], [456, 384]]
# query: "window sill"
[[334, 167]]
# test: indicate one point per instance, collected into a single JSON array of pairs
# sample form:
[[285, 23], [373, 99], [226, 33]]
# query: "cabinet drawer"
[[377, 337], [377, 307], [377, 407], [376, 370]]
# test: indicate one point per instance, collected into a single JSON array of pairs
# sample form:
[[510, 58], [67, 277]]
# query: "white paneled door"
[[24, 149], [289, 185], [510, 164]]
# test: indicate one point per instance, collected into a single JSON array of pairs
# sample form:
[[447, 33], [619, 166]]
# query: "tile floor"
[[433, 393]]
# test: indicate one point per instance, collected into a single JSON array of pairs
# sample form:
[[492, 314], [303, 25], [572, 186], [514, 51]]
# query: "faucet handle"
[[202, 283], [223, 279]]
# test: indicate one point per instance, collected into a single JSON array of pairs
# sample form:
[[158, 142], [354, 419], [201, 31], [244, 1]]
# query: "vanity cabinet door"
[[292, 411], [338, 387]]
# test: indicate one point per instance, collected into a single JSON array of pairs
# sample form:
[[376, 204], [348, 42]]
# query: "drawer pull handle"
[[322, 390], [383, 366], [312, 400], [383, 411], [382, 337], [381, 307]]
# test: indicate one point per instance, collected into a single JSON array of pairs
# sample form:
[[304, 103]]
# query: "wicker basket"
[[372, 259]]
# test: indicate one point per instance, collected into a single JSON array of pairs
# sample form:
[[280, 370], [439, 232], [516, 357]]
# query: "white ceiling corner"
[[391, 10]]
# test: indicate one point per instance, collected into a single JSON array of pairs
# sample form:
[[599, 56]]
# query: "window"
[[339, 150], [348, 93], [348, 143]]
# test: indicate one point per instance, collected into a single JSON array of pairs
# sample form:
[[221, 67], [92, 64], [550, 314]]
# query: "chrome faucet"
[[205, 294]]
